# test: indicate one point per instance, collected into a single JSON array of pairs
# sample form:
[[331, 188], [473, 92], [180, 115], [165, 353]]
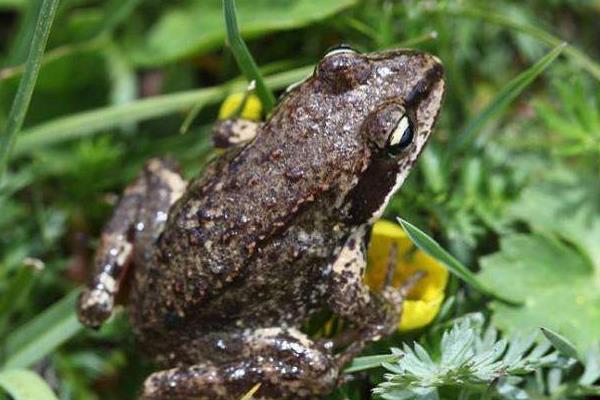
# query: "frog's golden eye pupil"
[[401, 137]]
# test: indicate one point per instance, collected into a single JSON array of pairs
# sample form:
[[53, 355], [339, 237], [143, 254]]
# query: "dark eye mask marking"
[[424, 85]]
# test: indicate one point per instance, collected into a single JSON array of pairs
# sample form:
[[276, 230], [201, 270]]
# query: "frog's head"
[[360, 121], [399, 93]]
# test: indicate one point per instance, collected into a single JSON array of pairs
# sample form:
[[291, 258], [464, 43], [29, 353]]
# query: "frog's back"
[[238, 225]]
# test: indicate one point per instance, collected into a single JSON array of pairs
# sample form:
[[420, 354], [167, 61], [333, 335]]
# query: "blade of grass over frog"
[[22, 384], [26, 85], [561, 344], [370, 362], [251, 392], [503, 99], [244, 58], [492, 17], [43, 334], [431, 247], [90, 122]]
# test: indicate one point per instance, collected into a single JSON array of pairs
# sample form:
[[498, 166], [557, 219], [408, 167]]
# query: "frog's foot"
[[285, 362], [137, 219], [233, 132]]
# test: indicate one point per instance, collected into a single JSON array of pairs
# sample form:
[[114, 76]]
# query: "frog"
[[219, 274]]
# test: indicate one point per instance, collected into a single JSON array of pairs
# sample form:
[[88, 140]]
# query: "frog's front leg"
[[233, 132], [373, 315], [134, 225], [285, 362]]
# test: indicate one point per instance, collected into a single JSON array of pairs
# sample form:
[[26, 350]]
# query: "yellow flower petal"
[[252, 109], [424, 300]]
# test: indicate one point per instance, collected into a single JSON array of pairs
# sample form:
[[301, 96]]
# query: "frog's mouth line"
[[424, 85]]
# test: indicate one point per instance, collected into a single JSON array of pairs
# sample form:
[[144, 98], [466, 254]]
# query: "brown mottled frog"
[[224, 270]]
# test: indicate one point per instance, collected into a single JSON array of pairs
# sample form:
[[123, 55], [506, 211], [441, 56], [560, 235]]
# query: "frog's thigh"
[[285, 362], [232, 132], [137, 220]]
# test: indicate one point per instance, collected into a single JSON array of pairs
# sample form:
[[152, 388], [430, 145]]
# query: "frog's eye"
[[401, 137], [343, 69]]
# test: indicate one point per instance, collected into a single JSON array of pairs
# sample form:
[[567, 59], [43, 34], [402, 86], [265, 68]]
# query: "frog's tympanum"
[[223, 270]]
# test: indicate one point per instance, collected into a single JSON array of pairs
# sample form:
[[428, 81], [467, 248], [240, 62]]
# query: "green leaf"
[[561, 344], [557, 285], [27, 84], [555, 270], [565, 205], [431, 247], [369, 362], [503, 99], [244, 58], [196, 27], [43, 334], [22, 384], [90, 122]]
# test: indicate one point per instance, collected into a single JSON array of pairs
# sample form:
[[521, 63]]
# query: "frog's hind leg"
[[137, 220], [285, 362]]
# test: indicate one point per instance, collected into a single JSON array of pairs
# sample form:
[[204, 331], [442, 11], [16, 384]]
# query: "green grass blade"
[[87, 123], [503, 99], [43, 334], [244, 58], [27, 83], [561, 344], [22, 384], [251, 392], [576, 55], [431, 247], [369, 362]]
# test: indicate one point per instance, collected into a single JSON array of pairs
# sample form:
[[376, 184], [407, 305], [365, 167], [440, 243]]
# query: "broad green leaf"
[[561, 343], [557, 285], [197, 27], [568, 206], [558, 280], [22, 384], [43, 334], [431, 247], [368, 362]]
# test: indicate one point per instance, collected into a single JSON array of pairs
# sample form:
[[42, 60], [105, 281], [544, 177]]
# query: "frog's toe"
[[95, 306]]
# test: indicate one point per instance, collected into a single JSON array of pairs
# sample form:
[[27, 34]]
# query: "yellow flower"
[[252, 109], [425, 298]]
